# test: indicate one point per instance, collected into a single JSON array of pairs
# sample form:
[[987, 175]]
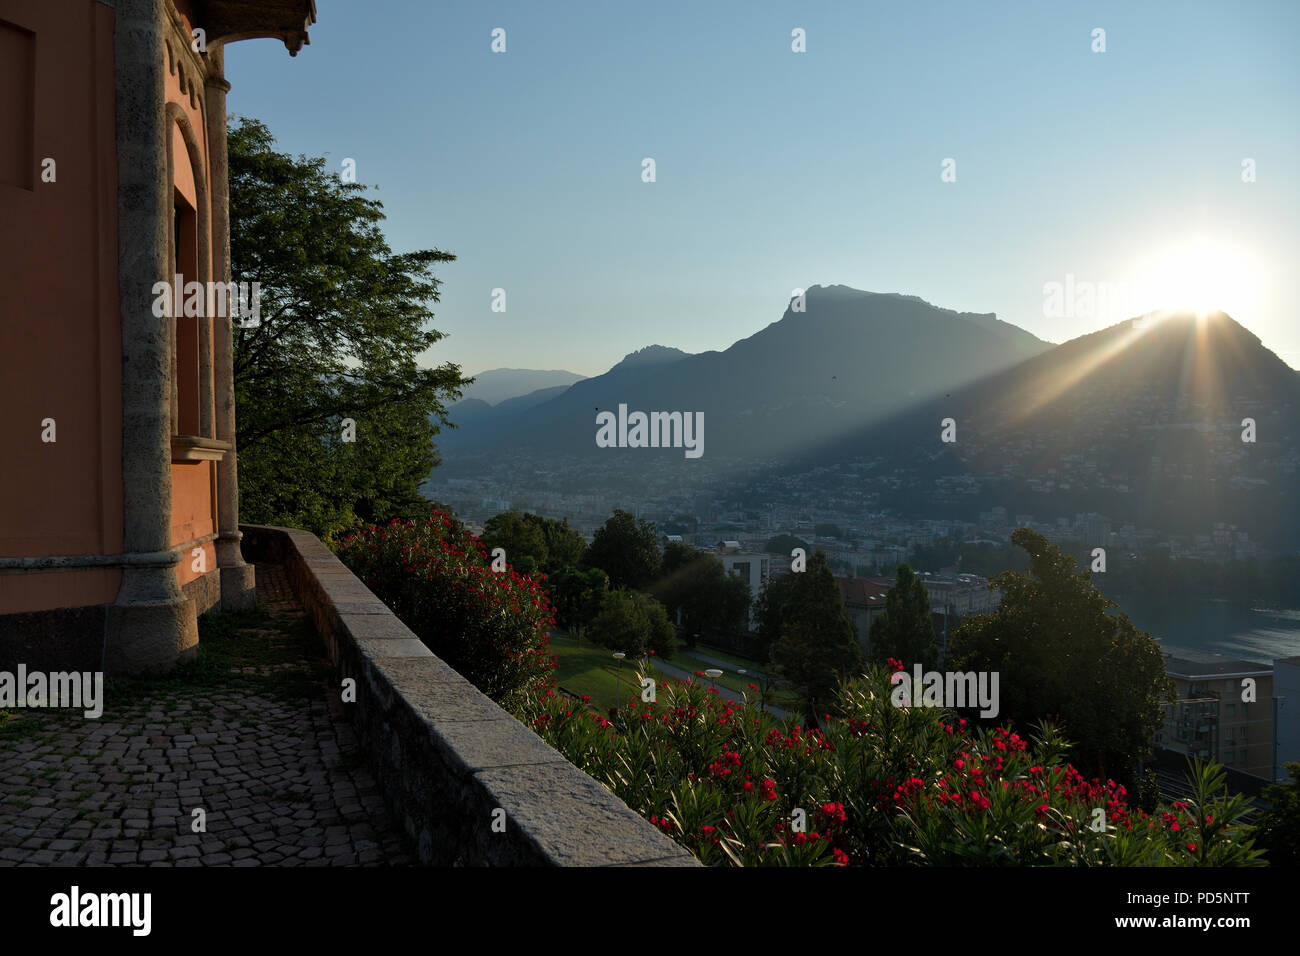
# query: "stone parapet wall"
[[446, 757]]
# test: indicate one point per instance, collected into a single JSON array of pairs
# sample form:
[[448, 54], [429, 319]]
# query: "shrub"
[[880, 786], [491, 626], [635, 624]]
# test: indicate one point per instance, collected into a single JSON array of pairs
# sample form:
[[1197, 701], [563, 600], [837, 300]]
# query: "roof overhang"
[[226, 21]]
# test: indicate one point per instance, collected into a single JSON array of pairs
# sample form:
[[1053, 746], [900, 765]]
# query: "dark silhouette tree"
[[905, 631], [812, 641], [1060, 653], [626, 550]]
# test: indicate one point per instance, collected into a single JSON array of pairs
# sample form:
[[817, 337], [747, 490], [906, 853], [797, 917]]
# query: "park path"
[[728, 666], [262, 746], [726, 693]]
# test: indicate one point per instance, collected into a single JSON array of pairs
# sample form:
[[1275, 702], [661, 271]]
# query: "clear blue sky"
[[779, 170]]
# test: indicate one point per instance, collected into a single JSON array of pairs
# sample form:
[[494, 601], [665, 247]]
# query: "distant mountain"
[[496, 385], [520, 402], [1140, 424], [652, 355], [467, 410], [849, 359]]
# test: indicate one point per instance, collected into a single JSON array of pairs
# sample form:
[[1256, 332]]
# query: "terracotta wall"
[[60, 353], [194, 503], [60, 331]]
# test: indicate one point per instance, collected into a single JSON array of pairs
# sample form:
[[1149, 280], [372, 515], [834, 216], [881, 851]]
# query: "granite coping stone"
[[475, 745], [377, 627], [572, 820], [362, 607], [437, 701], [382, 647]]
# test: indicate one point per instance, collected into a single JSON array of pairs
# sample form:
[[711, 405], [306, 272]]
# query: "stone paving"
[[255, 736]]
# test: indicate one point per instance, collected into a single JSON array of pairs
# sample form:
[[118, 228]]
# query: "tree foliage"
[[627, 550], [343, 321], [577, 594], [532, 542], [1061, 654], [635, 624], [905, 631], [813, 643], [713, 603], [784, 544], [769, 612], [1278, 827]]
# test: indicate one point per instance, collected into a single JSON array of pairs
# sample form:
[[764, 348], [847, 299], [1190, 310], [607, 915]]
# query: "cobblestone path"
[[253, 734]]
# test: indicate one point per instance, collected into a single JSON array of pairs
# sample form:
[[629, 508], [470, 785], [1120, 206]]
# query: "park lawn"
[[588, 670]]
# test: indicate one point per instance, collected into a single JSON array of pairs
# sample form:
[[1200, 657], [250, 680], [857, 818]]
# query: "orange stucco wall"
[[60, 332], [194, 503]]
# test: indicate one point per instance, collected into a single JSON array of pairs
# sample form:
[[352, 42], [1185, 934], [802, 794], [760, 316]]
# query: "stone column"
[[238, 588], [151, 625]]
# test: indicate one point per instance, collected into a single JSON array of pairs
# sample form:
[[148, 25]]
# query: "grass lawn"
[[587, 669]]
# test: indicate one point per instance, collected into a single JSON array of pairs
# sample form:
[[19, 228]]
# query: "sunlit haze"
[[779, 171]]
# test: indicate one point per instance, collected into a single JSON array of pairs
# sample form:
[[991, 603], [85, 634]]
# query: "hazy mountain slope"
[[496, 385], [850, 359]]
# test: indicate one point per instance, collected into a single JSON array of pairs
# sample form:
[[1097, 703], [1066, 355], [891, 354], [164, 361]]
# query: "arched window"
[[185, 339]]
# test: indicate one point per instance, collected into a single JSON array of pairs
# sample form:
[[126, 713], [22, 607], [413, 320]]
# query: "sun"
[[1202, 275]]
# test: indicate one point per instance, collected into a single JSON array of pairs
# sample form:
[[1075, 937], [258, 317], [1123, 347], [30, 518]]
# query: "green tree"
[[343, 322], [814, 645], [1061, 654], [534, 543], [520, 538], [626, 550], [713, 603], [783, 544], [769, 612], [565, 547], [676, 556], [577, 594], [1278, 828], [635, 624], [905, 630], [827, 530]]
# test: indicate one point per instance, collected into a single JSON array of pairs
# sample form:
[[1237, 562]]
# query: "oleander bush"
[[491, 626], [880, 785]]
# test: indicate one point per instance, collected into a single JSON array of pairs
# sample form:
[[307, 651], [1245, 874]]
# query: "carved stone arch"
[[177, 117]]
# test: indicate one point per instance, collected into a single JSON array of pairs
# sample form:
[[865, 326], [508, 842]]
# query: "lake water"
[[1208, 630]]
